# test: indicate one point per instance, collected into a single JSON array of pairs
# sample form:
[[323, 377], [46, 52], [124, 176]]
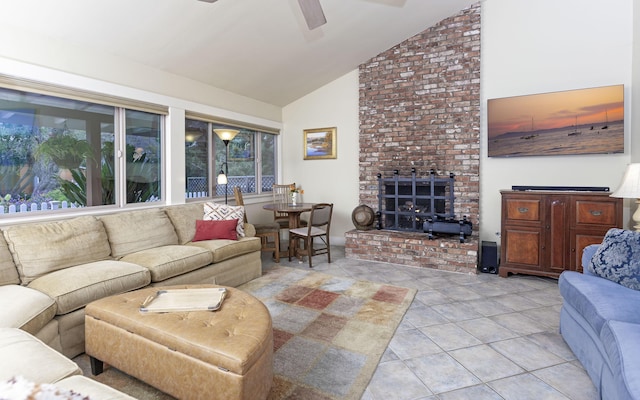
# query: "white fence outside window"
[[32, 207], [197, 185]]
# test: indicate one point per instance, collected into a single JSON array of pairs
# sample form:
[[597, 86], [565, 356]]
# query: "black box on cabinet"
[[489, 257]]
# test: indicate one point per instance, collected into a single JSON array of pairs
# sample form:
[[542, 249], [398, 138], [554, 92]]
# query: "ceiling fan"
[[311, 9]]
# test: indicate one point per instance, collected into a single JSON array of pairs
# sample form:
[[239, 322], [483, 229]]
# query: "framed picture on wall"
[[320, 143], [583, 121]]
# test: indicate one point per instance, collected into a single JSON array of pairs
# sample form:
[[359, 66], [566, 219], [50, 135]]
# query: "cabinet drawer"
[[522, 210], [596, 213]]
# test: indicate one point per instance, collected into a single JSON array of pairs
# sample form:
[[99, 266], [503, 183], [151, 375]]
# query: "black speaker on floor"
[[489, 257]]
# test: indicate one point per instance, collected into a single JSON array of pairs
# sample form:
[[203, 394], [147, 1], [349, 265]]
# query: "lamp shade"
[[226, 134], [222, 178], [630, 186]]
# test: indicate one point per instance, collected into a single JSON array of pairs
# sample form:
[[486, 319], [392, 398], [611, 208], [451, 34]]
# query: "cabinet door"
[[557, 240], [522, 247], [580, 240]]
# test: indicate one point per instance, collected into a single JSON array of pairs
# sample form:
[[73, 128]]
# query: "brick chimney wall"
[[420, 108]]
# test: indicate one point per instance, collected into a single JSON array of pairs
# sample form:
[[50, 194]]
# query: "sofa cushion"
[[41, 248], [91, 389], [19, 388], [183, 217], [8, 272], [224, 249], [207, 230], [32, 359], [621, 342], [30, 311], [168, 261], [75, 287], [138, 230], [618, 258], [217, 212], [598, 300]]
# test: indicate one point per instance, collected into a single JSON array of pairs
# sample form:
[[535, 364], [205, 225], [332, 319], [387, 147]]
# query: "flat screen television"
[[582, 121]]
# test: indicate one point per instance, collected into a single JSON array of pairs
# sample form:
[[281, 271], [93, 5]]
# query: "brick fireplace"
[[420, 108]]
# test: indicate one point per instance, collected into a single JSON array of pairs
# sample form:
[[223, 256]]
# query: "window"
[[58, 153], [143, 166], [251, 162], [197, 158]]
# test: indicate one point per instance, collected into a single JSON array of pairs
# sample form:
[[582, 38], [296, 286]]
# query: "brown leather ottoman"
[[226, 354]]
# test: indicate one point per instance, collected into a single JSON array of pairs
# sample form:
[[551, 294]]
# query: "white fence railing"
[[246, 183], [32, 207], [197, 185]]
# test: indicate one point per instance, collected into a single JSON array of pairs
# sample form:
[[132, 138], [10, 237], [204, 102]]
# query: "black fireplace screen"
[[406, 203]]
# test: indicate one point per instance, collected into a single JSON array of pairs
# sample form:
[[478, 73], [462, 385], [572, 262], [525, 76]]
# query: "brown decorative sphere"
[[363, 217]]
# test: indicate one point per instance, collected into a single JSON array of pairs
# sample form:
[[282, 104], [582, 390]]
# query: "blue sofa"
[[600, 318]]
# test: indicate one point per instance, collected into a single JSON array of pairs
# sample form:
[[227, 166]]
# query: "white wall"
[[546, 46], [635, 90], [334, 180], [19, 45]]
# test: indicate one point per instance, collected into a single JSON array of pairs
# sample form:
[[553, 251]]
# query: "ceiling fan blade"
[[313, 13]]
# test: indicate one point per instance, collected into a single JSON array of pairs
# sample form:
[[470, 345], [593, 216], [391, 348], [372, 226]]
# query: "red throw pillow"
[[223, 229]]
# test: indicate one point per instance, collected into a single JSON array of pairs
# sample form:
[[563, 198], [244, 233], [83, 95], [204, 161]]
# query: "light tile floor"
[[468, 336]]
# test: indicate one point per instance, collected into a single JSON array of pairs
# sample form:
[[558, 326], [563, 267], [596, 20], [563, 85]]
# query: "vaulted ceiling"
[[261, 49]]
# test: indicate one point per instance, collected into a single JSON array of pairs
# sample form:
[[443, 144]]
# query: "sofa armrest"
[[587, 255]]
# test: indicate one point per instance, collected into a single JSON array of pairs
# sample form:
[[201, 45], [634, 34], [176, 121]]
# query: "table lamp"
[[226, 135], [630, 189]]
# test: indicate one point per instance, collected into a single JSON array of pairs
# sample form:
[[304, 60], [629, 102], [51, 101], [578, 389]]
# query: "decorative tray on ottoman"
[[196, 299]]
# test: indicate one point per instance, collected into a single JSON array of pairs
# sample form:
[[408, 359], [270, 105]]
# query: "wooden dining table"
[[293, 211]]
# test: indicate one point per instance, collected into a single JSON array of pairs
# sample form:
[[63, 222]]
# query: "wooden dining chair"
[[268, 233], [318, 227], [281, 194]]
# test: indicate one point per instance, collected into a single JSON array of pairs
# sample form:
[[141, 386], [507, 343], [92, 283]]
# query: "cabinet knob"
[[595, 213], [523, 209]]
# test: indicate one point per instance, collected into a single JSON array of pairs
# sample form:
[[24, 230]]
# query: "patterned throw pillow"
[[618, 258], [218, 212]]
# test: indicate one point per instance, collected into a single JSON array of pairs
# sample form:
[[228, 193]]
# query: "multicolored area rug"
[[329, 334], [329, 331]]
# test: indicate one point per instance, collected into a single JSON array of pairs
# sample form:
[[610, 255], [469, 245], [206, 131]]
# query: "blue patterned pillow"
[[618, 258]]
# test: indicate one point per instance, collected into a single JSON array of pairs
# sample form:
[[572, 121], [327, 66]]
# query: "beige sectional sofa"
[[32, 370], [50, 271]]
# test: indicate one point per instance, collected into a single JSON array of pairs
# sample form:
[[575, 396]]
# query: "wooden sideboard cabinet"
[[544, 232]]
